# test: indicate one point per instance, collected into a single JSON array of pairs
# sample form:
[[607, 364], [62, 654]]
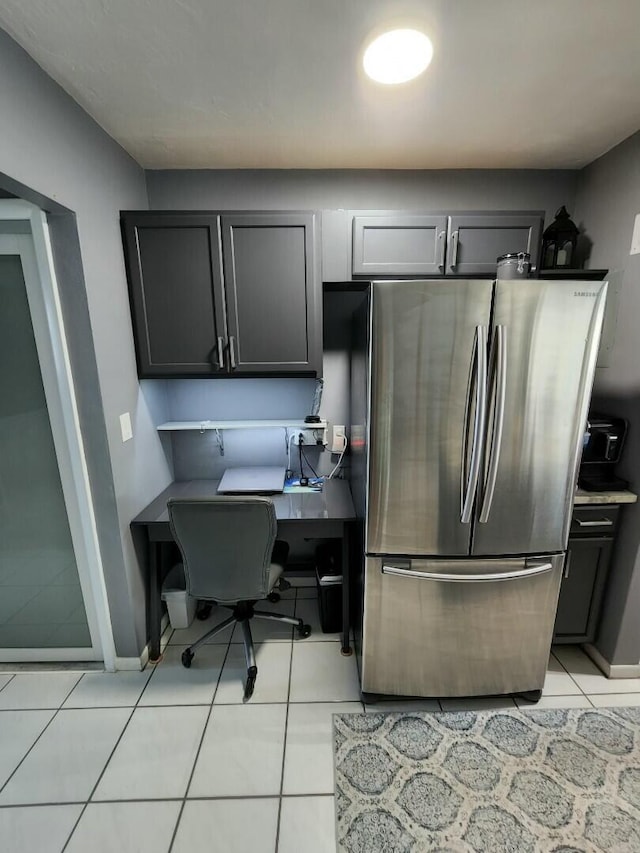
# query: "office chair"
[[230, 556]]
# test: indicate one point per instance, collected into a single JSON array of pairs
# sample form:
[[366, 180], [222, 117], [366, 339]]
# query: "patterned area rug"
[[532, 781]]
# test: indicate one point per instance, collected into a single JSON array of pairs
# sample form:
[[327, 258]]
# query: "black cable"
[[309, 465], [300, 456]]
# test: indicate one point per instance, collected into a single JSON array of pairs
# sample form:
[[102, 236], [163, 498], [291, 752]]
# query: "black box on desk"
[[329, 583]]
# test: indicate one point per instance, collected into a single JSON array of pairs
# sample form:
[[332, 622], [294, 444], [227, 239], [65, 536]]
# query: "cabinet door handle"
[[441, 241], [221, 353], [596, 522], [232, 352], [454, 250]]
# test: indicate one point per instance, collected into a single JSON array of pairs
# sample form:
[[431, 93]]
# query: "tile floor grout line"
[[284, 742], [198, 750], [194, 705], [99, 779], [568, 673], [13, 675], [56, 711]]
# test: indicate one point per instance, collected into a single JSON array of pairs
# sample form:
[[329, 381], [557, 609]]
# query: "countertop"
[[623, 497]]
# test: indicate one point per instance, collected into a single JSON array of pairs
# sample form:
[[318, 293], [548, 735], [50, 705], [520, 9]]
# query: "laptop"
[[267, 480]]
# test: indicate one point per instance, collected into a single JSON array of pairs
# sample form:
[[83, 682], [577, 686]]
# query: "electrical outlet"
[[337, 443], [635, 238], [125, 427], [312, 437]]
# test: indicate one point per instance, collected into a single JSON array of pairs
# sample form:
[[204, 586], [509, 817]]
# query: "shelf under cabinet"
[[201, 426]]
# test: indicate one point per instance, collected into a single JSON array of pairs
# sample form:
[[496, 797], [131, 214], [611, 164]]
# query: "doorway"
[[52, 603]]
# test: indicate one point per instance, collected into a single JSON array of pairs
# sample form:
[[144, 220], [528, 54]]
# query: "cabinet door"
[[474, 242], [585, 573], [399, 244], [273, 291], [175, 287]]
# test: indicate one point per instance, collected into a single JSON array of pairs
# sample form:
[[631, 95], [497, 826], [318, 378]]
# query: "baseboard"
[[612, 670], [137, 664]]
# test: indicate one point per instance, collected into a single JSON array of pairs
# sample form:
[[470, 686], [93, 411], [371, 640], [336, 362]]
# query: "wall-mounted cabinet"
[[378, 244], [399, 244], [474, 242], [224, 294]]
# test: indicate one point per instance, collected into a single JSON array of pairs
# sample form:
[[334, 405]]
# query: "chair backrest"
[[226, 544]]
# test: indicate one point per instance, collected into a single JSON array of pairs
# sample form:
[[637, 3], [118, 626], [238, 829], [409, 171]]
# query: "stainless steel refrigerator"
[[469, 404]]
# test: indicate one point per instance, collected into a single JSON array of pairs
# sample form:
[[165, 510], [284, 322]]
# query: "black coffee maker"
[[601, 453]]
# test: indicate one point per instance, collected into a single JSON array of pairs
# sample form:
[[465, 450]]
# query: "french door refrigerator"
[[469, 403]]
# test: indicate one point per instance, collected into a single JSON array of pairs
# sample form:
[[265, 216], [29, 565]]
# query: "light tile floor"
[[171, 760]]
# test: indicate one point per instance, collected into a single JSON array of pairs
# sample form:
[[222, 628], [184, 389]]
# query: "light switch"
[[635, 239], [125, 427]]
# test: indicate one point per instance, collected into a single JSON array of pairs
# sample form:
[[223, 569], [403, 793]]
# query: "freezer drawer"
[[458, 627]]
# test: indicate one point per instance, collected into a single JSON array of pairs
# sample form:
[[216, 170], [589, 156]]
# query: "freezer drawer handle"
[[530, 571], [477, 379], [595, 522], [497, 397]]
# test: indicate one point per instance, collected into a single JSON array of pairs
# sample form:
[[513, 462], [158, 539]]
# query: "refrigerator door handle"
[[530, 571], [498, 366], [477, 380]]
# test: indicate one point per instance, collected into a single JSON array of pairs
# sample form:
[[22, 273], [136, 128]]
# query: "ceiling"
[[277, 83]]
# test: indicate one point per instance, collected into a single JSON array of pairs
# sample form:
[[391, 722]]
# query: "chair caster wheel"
[[304, 631], [204, 611], [273, 597], [187, 657], [250, 684], [283, 585]]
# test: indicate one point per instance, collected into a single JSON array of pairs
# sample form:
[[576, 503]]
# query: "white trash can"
[[181, 606]]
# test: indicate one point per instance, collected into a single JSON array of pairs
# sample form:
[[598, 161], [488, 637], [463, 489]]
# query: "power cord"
[[309, 465], [339, 462]]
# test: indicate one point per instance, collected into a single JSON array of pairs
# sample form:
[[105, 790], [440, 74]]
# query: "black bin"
[[329, 583]]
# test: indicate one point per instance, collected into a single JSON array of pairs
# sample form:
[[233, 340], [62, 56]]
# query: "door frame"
[[31, 241]]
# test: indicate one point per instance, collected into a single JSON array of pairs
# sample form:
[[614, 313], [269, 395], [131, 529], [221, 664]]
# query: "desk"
[[328, 514]]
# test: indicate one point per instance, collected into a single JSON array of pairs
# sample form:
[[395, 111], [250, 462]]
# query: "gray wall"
[[51, 147], [607, 202], [471, 189], [334, 189]]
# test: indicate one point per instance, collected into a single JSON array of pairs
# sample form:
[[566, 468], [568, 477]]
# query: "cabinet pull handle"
[[232, 351], [596, 522], [220, 353], [441, 241], [454, 250], [567, 565]]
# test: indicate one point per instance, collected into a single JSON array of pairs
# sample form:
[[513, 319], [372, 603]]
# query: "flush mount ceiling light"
[[397, 56]]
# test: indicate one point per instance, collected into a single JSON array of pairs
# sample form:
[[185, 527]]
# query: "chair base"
[[243, 612]]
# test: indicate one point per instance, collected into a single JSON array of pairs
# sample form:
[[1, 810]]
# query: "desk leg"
[[155, 602], [346, 582]]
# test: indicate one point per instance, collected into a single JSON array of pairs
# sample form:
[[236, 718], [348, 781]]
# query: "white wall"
[[50, 145]]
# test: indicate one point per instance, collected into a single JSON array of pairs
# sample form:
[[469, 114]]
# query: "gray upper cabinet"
[[474, 242], [271, 282], [399, 244], [421, 244], [219, 295], [175, 287]]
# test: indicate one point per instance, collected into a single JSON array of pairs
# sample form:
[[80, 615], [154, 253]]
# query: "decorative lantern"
[[559, 242]]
